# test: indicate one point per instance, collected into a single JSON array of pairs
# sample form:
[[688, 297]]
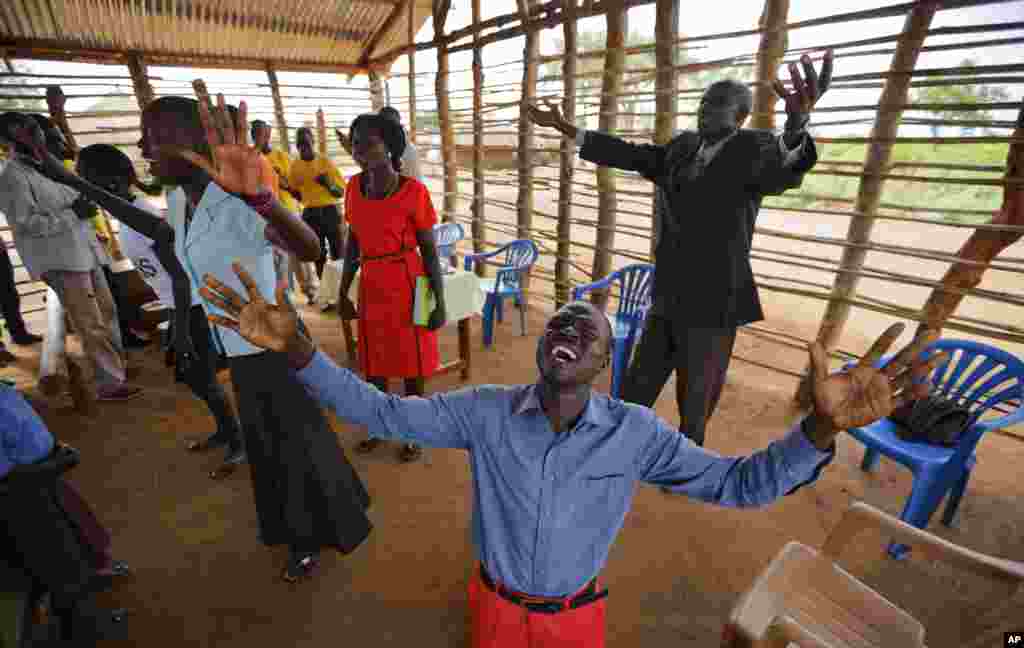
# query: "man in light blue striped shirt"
[[555, 464]]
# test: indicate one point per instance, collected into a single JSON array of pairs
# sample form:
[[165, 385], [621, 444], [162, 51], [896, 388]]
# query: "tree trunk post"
[[282, 124], [567, 158], [441, 8], [666, 88], [479, 233]]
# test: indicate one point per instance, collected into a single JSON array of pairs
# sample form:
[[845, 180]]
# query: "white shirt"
[[140, 250]]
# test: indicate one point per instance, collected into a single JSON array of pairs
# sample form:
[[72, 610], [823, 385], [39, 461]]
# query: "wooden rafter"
[[389, 22]]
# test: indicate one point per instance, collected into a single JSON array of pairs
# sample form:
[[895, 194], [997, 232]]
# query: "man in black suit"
[[712, 181]]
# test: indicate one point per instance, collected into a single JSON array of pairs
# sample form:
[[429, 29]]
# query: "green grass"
[[928, 198]]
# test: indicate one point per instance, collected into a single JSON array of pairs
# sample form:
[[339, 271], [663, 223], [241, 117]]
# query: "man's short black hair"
[[389, 112], [108, 161], [740, 90], [304, 129], [8, 121], [390, 130]]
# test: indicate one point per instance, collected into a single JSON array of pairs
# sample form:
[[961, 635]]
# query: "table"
[[463, 299]]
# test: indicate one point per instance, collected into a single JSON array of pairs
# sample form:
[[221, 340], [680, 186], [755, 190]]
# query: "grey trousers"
[[699, 356]]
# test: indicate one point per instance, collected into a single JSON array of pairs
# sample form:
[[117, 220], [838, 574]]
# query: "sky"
[[741, 14]]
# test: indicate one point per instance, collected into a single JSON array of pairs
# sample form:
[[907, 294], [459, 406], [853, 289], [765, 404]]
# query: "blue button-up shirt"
[[548, 506], [24, 438], [224, 229]]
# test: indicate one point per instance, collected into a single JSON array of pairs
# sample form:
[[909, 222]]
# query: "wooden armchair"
[[804, 598]]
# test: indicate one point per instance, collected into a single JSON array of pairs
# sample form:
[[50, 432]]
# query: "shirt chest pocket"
[[598, 495]]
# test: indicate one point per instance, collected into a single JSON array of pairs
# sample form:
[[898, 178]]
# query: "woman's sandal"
[[367, 445], [410, 452], [209, 443], [298, 570]]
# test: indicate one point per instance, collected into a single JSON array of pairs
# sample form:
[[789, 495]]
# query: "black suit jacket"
[[702, 273]]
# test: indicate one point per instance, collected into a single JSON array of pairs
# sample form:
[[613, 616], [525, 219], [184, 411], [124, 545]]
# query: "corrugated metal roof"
[[293, 34]]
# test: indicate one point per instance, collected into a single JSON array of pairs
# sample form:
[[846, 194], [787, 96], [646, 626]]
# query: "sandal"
[[215, 440], [116, 568], [410, 452], [233, 460], [299, 569], [367, 445]]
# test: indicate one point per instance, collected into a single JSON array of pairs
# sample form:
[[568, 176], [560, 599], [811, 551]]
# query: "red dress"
[[390, 346]]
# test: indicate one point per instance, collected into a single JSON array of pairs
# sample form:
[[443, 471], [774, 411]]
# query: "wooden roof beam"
[[58, 51], [401, 7]]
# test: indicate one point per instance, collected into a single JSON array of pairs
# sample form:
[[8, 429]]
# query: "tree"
[[967, 94]]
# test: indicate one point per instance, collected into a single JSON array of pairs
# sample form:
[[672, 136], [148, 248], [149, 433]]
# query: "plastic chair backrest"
[[635, 295], [980, 377], [519, 256], [446, 235]]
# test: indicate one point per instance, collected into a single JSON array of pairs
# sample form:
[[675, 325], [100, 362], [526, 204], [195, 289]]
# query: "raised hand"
[[806, 91], [551, 118], [270, 326], [237, 167], [863, 394]]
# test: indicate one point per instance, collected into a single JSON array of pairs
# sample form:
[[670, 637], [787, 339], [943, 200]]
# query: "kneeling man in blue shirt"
[[555, 464]]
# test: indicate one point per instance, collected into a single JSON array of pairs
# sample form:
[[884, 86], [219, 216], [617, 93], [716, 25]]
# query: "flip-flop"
[[209, 443], [367, 445]]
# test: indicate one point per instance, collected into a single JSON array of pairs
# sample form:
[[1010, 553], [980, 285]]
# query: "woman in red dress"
[[391, 237]]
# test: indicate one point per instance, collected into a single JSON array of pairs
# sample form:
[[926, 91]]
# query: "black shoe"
[[235, 458], [300, 567], [410, 452], [367, 445], [24, 338], [132, 341]]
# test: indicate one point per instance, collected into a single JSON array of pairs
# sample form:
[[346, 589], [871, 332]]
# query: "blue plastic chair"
[[446, 235], [519, 255], [635, 284], [976, 376]]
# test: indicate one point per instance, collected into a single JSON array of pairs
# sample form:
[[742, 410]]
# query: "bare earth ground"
[[202, 579]]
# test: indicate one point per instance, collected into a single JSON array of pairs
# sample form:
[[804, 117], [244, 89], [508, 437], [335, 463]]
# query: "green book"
[[424, 302]]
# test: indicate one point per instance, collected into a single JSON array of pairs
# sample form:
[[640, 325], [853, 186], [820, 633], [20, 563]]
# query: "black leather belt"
[[541, 604]]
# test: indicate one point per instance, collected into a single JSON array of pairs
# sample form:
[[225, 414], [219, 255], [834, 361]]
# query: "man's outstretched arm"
[[842, 400], [604, 150], [441, 421]]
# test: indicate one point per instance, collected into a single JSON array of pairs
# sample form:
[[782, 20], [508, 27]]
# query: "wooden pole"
[[666, 86], [525, 155], [321, 131], [140, 80], [524, 201], [774, 41], [982, 246], [567, 158], [611, 87], [412, 74], [894, 96], [282, 124], [441, 8], [376, 91], [478, 145]]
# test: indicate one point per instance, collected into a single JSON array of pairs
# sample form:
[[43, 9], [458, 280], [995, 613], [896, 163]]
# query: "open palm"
[[865, 393], [237, 167], [269, 326]]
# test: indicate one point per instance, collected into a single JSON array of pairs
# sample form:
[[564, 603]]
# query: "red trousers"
[[497, 623]]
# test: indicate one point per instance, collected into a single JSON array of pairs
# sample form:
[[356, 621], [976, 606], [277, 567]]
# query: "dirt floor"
[[202, 579]]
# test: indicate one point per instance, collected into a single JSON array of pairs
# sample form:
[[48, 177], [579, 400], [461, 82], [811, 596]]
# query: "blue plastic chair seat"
[[883, 434], [487, 286]]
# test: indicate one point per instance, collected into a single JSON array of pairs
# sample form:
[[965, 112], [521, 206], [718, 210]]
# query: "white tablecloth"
[[462, 293]]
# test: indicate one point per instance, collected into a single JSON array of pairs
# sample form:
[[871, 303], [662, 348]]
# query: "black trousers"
[[201, 378], [307, 494], [10, 302], [700, 358], [326, 224]]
